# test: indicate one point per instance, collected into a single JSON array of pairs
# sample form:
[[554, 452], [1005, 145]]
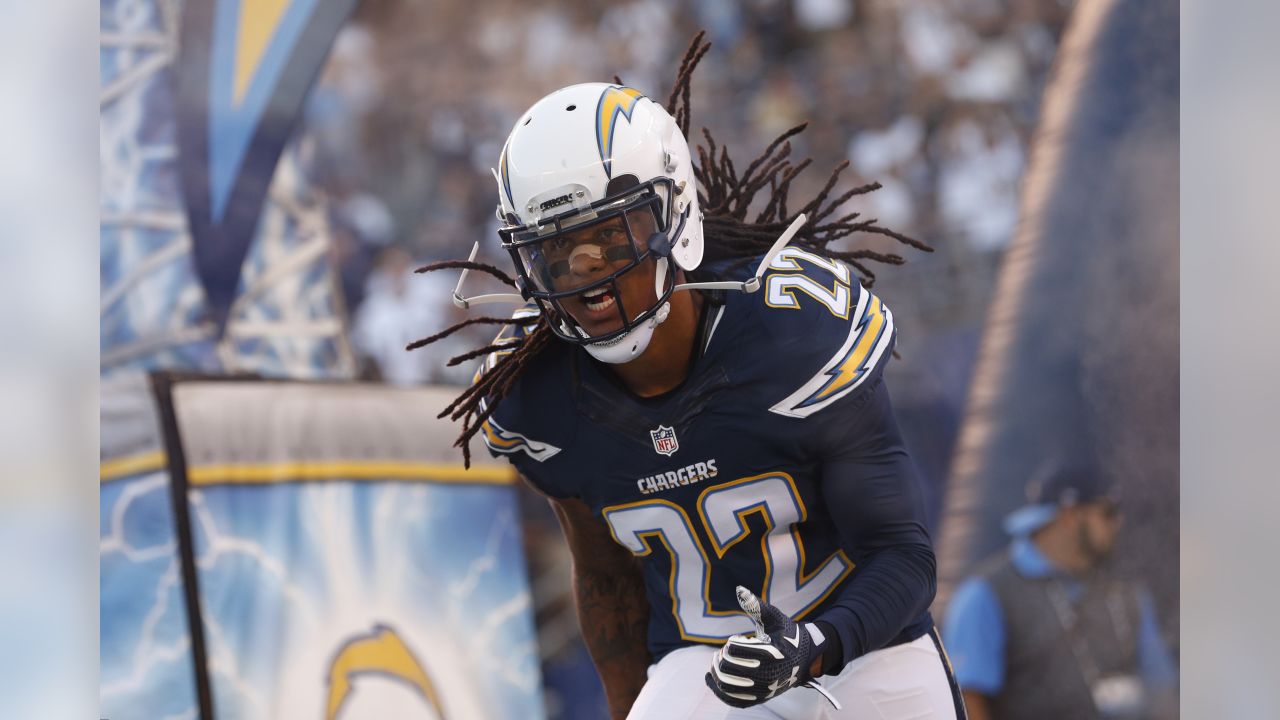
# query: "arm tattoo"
[[614, 615]]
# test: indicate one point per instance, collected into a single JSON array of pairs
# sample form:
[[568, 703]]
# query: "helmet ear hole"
[[621, 184], [571, 108]]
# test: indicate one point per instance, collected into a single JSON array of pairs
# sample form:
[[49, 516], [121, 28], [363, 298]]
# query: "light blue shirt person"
[[974, 630]]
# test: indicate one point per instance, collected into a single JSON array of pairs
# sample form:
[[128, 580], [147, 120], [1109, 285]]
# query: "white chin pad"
[[630, 346]]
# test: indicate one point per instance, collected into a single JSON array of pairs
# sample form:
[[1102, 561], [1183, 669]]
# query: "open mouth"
[[599, 299]]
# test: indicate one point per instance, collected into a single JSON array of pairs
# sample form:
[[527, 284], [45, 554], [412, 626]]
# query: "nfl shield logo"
[[664, 440]]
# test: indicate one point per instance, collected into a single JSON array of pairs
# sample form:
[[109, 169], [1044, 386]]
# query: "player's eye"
[[610, 236]]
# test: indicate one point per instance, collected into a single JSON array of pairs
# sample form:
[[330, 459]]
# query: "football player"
[[701, 397]]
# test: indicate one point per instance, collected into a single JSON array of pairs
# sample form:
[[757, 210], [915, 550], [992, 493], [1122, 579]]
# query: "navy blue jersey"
[[719, 482]]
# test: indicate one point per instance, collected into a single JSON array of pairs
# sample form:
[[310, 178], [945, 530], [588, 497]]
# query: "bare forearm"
[[608, 585], [614, 616]]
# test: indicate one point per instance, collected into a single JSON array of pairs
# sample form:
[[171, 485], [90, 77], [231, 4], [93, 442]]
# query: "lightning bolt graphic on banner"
[[244, 69], [383, 652]]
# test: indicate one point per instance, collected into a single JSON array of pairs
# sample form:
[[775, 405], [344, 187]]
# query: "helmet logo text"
[[556, 202]]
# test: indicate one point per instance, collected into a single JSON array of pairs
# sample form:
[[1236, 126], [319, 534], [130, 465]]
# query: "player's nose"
[[586, 260]]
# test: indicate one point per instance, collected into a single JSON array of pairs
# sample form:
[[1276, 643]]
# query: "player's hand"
[[751, 669]]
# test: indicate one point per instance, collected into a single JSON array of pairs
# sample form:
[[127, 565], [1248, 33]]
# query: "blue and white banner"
[[244, 68], [345, 598], [347, 566], [284, 316], [146, 663]]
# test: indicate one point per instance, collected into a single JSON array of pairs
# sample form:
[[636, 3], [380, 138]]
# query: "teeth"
[[596, 299], [601, 305]]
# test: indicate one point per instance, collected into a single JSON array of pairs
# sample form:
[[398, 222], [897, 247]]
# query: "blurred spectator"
[[932, 40], [399, 308], [978, 184], [888, 156], [354, 261], [1047, 630], [349, 88], [369, 217], [934, 99], [359, 227]]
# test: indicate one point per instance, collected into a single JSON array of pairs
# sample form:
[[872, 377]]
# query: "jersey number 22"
[[723, 510]]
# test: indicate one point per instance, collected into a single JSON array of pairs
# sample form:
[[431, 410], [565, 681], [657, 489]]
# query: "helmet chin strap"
[[632, 344]]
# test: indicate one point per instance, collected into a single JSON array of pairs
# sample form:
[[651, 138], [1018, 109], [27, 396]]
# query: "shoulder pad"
[[501, 441], [507, 335], [498, 433], [834, 334]]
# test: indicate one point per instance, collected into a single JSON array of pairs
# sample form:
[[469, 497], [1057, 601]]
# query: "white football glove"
[[751, 669]]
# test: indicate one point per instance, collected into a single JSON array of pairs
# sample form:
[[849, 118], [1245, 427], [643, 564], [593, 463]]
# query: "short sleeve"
[[973, 634]]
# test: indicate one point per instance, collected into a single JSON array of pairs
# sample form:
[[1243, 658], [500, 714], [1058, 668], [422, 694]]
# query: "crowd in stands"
[[934, 99]]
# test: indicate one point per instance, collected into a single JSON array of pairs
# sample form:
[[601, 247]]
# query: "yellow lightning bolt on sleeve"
[[855, 362]]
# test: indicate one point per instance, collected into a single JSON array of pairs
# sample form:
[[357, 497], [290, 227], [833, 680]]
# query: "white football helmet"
[[595, 182]]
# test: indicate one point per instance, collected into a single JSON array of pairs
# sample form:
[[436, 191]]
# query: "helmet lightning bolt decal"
[[506, 177], [614, 101]]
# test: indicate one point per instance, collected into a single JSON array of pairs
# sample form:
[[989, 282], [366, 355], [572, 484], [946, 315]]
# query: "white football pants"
[[904, 682]]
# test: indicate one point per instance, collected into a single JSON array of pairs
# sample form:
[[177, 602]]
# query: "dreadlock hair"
[[725, 198]]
